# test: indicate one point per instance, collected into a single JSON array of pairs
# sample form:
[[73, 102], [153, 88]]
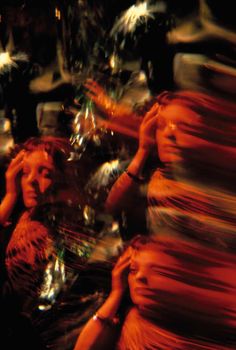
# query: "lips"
[[31, 194], [170, 146], [143, 291]]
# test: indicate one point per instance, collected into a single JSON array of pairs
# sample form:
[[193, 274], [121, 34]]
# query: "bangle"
[[134, 177], [106, 320]]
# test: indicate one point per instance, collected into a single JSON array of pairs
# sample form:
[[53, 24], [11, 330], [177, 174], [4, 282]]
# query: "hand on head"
[[148, 128], [120, 272], [13, 174], [37, 178], [98, 95]]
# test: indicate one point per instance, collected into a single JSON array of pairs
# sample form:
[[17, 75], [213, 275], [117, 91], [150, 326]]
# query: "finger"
[[18, 166], [89, 89], [149, 128], [93, 86], [18, 158], [151, 124], [154, 108], [149, 117], [90, 94], [118, 270], [14, 170], [123, 261], [152, 112], [89, 81], [124, 258]]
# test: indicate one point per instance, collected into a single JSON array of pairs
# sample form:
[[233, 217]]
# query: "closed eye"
[[45, 172], [133, 269]]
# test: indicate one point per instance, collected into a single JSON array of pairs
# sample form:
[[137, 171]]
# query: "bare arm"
[[125, 187], [105, 103], [96, 335], [12, 188], [119, 117]]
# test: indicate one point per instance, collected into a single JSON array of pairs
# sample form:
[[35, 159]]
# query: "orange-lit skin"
[[144, 279], [172, 132], [157, 278], [173, 284], [37, 177], [180, 130]]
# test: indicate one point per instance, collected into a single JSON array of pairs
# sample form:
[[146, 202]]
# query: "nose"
[[32, 178], [172, 126], [141, 276], [170, 130]]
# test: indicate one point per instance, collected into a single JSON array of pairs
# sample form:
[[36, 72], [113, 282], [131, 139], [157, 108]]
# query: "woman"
[[39, 260], [191, 191], [161, 313]]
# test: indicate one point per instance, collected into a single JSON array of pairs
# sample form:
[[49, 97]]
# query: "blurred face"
[[144, 276], [174, 124], [37, 177]]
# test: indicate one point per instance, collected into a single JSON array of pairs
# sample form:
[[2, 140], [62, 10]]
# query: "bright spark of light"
[[53, 281], [135, 15], [104, 173], [7, 61]]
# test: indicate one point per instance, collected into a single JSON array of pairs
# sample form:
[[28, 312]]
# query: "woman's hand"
[[99, 96], [12, 175], [120, 273], [12, 187], [148, 128]]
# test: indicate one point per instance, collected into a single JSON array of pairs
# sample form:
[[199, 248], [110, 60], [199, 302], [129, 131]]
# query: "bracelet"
[[134, 177], [111, 322]]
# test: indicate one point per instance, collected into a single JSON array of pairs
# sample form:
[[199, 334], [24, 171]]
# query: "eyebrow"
[[41, 167], [135, 263]]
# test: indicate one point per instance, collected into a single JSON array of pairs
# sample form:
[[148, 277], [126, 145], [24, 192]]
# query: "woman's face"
[[175, 124], [37, 178], [144, 277], [185, 280]]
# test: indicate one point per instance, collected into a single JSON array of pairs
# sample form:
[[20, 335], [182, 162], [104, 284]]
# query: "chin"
[[143, 301]]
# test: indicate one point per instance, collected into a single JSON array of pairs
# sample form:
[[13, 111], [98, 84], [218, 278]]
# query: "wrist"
[[135, 178], [107, 321]]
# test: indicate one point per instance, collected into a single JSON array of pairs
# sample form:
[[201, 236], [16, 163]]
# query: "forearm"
[[96, 334], [6, 207], [125, 187]]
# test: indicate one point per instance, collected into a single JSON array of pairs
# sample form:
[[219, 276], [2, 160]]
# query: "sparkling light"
[[135, 15], [8, 61], [104, 173]]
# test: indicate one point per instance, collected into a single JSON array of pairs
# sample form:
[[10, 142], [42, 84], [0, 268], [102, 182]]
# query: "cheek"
[[154, 281], [22, 182], [159, 140], [130, 280], [158, 135]]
